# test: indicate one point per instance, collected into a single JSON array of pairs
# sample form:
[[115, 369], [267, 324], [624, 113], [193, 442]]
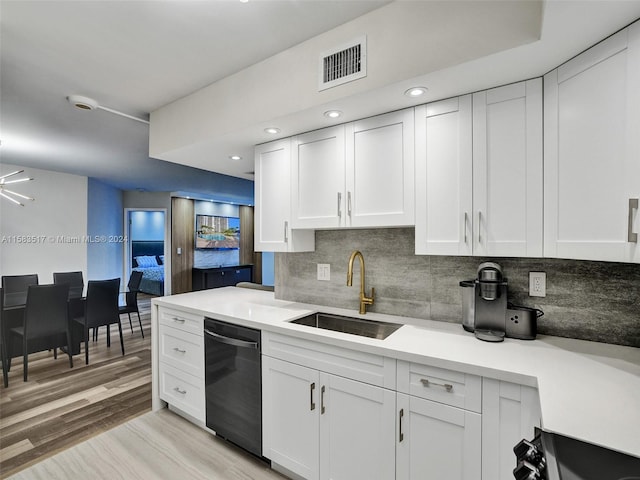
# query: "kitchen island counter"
[[589, 391]]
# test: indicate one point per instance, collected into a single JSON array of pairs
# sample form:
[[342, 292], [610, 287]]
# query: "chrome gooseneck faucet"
[[364, 300]]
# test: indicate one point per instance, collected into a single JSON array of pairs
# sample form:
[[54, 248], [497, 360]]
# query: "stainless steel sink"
[[353, 326]]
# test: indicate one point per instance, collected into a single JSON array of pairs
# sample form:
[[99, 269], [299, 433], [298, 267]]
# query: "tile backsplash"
[[597, 301]]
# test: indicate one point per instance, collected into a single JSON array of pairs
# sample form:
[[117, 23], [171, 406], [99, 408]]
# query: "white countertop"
[[588, 390]]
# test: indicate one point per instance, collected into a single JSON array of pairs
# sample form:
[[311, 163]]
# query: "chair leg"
[[140, 322], [109, 336], [86, 345], [130, 324], [55, 353], [25, 365], [5, 375], [69, 349], [121, 339]]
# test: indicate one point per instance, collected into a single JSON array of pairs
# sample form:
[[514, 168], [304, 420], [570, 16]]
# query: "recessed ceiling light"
[[332, 113], [272, 130], [235, 157], [415, 91]]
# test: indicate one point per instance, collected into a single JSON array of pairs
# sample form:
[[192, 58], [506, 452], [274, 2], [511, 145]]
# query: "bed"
[[148, 257]]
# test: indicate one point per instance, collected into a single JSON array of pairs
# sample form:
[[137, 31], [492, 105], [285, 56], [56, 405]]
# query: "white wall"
[[56, 222]]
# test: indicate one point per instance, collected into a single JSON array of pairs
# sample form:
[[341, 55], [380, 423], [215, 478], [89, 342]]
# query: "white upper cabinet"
[[355, 175], [273, 231], [444, 178], [380, 171], [479, 173], [592, 153], [507, 170], [318, 179]]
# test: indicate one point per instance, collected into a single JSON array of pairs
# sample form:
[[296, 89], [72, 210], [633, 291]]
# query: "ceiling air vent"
[[343, 64]]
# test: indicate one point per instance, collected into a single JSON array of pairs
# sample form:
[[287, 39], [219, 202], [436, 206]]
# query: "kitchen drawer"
[[182, 350], [361, 366], [181, 320], [182, 390], [440, 385]]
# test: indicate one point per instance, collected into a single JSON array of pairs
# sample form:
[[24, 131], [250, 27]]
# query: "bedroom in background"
[[146, 232]]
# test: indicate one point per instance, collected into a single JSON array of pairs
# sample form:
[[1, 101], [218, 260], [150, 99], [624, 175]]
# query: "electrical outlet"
[[537, 284], [324, 272]]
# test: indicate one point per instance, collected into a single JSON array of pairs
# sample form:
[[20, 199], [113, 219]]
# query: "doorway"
[[147, 249]]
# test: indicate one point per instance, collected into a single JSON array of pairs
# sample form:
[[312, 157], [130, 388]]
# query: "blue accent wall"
[[268, 270], [147, 226], [105, 223]]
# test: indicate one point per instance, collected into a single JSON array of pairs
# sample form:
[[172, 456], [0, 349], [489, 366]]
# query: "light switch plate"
[[537, 284], [324, 272]]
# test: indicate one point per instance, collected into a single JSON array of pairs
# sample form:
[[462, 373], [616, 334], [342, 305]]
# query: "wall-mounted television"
[[217, 233]]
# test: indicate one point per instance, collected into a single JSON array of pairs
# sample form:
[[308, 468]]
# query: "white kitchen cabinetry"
[[479, 173], [592, 153], [356, 175], [318, 179], [439, 432], [510, 413], [321, 426], [181, 361], [273, 231]]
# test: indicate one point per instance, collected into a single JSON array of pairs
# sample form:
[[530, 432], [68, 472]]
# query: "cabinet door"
[[437, 441], [290, 408], [507, 170], [317, 179], [510, 412], [273, 201], [357, 430], [444, 181], [592, 152], [380, 171]]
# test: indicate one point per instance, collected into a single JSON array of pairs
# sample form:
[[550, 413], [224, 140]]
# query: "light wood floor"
[[60, 406]]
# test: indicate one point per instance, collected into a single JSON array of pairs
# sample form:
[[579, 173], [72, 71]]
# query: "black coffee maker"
[[490, 303]]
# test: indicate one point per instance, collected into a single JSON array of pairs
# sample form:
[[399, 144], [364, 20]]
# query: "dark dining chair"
[[18, 284], [131, 299], [46, 322], [14, 297], [101, 308], [73, 279]]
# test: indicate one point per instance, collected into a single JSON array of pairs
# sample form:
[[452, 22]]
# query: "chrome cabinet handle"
[[339, 204], [401, 436], [466, 220], [181, 392], [286, 228], [231, 341], [631, 235], [179, 350], [322, 400], [349, 204], [312, 387], [479, 226], [179, 320], [447, 386]]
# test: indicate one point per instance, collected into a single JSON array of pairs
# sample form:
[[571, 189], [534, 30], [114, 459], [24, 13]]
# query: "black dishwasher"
[[233, 386]]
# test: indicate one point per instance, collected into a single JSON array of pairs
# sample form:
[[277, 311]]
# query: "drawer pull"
[[181, 392], [401, 436], [632, 237], [179, 320], [179, 350], [322, 400], [426, 383]]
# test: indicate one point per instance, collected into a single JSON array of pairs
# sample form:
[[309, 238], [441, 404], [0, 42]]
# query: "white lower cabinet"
[[321, 426], [510, 413], [437, 441]]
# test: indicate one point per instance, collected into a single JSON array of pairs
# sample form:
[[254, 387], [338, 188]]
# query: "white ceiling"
[[138, 56]]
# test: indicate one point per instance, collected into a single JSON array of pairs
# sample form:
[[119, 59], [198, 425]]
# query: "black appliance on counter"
[[233, 386], [550, 456]]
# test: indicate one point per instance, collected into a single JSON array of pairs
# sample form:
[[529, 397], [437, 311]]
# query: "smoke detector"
[[83, 103]]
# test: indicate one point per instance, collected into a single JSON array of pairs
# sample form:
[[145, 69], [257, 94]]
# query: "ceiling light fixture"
[[235, 157], [10, 194], [332, 113], [86, 103], [272, 130], [416, 91]]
